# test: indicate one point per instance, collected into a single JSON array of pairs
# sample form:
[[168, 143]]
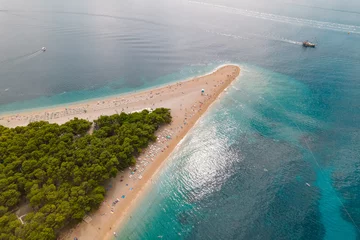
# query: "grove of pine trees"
[[60, 170]]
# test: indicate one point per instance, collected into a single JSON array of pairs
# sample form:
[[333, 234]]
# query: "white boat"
[[43, 49]]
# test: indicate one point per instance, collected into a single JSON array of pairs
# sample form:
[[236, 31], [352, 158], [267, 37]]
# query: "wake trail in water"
[[280, 39], [31, 56], [327, 9], [22, 57], [284, 19], [111, 16], [286, 41], [90, 15]]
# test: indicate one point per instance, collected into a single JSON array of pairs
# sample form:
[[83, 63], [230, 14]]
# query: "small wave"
[[284, 19], [198, 65]]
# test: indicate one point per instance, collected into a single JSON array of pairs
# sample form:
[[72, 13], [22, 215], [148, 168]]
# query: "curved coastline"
[[99, 96], [12, 118], [187, 104], [155, 169]]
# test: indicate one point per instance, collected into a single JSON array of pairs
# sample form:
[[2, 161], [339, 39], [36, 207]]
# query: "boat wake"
[[286, 41], [284, 19], [279, 39], [13, 12], [326, 9], [272, 38], [22, 57]]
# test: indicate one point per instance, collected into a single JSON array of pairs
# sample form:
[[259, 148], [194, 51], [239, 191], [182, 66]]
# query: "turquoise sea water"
[[276, 158], [108, 90], [242, 172]]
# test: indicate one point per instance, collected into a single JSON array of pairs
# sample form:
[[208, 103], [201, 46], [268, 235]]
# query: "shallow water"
[[252, 168], [276, 158]]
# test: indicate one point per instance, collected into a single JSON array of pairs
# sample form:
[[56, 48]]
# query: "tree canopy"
[[60, 170]]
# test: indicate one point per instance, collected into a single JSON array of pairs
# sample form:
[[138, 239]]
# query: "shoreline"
[[155, 169], [187, 105], [101, 98]]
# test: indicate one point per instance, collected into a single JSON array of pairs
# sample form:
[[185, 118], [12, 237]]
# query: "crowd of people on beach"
[[164, 137], [119, 104]]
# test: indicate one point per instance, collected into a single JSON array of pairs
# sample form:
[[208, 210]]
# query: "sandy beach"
[[187, 104]]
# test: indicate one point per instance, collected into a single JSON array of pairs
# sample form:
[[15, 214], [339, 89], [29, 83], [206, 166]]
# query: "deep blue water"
[[291, 119]]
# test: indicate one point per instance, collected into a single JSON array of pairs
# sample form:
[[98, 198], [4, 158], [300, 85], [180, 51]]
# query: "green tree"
[[60, 170]]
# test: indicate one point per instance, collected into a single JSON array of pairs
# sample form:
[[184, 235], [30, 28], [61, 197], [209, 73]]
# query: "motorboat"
[[308, 44]]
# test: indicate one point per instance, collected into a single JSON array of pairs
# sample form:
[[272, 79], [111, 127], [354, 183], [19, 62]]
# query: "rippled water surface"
[[276, 158], [256, 166]]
